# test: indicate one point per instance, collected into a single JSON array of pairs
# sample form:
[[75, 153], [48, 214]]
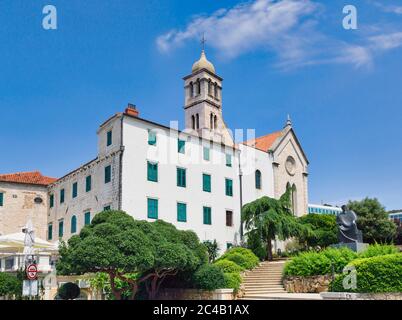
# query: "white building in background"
[[197, 178], [323, 209]]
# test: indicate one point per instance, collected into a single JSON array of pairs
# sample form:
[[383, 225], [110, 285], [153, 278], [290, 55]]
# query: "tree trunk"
[[269, 250]]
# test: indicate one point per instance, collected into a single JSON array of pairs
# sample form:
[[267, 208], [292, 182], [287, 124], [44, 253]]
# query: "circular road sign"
[[32, 271]]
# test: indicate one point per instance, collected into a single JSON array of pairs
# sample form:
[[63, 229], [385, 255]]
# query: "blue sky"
[[341, 87]]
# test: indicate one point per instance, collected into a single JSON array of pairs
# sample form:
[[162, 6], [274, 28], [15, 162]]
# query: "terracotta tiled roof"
[[34, 177], [264, 143]]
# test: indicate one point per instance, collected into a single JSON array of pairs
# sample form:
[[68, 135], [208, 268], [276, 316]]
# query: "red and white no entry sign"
[[32, 271]]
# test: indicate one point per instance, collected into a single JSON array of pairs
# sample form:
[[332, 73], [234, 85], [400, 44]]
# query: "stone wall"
[[314, 284], [195, 294]]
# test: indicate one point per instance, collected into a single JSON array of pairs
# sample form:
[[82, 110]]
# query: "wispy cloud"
[[287, 28], [388, 7]]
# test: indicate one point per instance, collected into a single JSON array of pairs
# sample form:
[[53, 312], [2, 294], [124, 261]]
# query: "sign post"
[[30, 286]]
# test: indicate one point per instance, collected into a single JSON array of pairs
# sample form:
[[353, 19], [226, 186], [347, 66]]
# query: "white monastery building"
[[197, 179]]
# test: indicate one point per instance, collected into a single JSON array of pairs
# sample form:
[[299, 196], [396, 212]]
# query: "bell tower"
[[203, 101]]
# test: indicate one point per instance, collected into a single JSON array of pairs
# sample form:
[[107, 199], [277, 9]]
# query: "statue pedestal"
[[355, 246]]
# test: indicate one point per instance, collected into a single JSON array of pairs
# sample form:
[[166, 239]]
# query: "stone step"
[[264, 284], [250, 293], [263, 278]]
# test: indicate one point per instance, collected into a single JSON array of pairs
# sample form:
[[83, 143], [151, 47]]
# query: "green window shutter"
[[152, 208], [207, 215], [51, 201], [206, 154], [88, 183], [152, 172], [50, 231], [61, 228], [229, 187], [181, 146], [182, 212], [107, 208], [108, 174], [151, 138], [109, 138], [75, 189], [62, 196], [181, 177], [228, 160], [229, 245], [206, 182], [73, 224], [1, 199], [87, 218]]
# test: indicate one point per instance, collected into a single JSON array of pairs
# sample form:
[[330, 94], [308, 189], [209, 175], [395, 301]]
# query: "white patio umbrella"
[[15, 242]]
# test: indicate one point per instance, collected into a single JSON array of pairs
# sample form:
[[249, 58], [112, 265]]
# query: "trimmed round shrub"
[[378, 250], [242, 257], [228, 266], [232, 281], [69, 291], [374, 275], [209, 277]]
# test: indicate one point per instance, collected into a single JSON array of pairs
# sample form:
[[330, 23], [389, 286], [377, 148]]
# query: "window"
[[258, 179], [109, 138], [75, 190], [62, 196], [61, 228], [107, 208], [229, 187], [181, 177], [197, 120], [181, 146], [151, 138], [229, 245], [229, 218], [108, 174], [73, 224], [1, 199], [152, 172], [207, 215], [206, 182], [50, 231], [206, 154], [88, 183], [228, 160], [193, 122], [181, 212], [152, 208], [87, 218]]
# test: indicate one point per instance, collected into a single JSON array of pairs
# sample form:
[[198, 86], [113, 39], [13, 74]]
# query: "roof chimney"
[[131, 110]]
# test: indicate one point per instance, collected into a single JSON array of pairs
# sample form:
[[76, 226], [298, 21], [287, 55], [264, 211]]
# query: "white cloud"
[[388, 8]]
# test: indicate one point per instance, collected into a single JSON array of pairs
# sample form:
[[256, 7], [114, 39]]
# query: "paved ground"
[[285, 296]]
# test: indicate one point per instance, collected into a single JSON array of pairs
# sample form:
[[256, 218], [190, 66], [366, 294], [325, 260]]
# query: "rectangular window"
[[107, 208], [206, 154], [50, 231], [229, 218], [109, 138], [87, 218], [181, 177], [75, 189], [229, 245], [61, 228], [181, 212], [207, 215], [62, 196], [108, 174], [51, 201], [181, 146], [152, 172], [88, 183], [229, 187], [228, 160], [151, 138], [206, 182], [1, 199], [152, 208]]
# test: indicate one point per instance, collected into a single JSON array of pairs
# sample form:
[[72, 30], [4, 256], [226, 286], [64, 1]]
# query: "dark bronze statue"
[[348, 232]]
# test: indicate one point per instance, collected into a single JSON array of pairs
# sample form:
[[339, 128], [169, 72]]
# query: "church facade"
[[197, 178]]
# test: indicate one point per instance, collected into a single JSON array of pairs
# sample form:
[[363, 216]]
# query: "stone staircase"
[[263, 280]]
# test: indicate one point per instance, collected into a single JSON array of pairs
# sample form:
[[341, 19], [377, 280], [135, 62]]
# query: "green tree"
[[373, 221], [213, 250], [268, 218], [324, 227], [10, 285]]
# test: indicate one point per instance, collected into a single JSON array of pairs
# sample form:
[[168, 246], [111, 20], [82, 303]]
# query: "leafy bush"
[[232, 280], [213, 250], [228, 266], [375, 274], [209, 277], [319, 263], [69, 291], [255, 244], [325, 230], [10, 285], [378, 250], [242, 257]]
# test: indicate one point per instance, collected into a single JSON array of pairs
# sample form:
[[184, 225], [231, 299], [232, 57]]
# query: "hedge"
[[209, 277], [319, 263], [378, 250], [374, 275], [242, 257], [232, 280], [228, 266]]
